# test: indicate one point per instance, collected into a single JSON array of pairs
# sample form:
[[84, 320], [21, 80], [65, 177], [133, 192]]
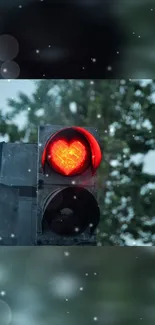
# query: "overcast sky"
[[10, 89]]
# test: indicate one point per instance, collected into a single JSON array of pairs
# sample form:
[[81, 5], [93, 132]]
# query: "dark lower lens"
[[70, 212]]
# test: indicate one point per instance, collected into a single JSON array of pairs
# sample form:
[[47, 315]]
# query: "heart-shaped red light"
[[67, 158]]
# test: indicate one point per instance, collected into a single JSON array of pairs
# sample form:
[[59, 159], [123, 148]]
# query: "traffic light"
[[68, 212], [48, 189]]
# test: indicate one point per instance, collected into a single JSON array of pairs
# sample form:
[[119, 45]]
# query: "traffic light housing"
[[68, 212], [48, 189], [18, 193]]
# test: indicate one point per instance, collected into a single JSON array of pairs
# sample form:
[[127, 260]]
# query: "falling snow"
[[91, 225], [66, 253]]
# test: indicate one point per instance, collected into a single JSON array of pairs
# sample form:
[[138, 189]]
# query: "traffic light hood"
[[71, 150]]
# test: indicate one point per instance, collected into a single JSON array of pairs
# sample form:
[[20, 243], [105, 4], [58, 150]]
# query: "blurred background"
[[55, 285], [124, 113], [77, 39]]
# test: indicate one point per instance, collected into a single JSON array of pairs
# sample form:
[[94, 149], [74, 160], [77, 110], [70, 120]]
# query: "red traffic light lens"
[[68, 158], [71, 151]]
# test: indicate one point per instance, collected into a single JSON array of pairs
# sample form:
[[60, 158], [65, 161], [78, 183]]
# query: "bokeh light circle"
[[9, 48], [5, 313], [10, 70]]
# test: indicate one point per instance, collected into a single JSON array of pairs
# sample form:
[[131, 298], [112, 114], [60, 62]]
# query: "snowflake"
[[37, 51], [99, 244], [81, 288], [66, 253], [95, 318], [3, 293]]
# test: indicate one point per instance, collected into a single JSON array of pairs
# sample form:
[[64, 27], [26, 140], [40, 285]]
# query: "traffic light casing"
[[30, 190], [68, 212], [18, 194]]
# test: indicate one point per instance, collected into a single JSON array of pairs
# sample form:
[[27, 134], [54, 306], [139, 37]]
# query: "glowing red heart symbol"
[[67, 157]]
